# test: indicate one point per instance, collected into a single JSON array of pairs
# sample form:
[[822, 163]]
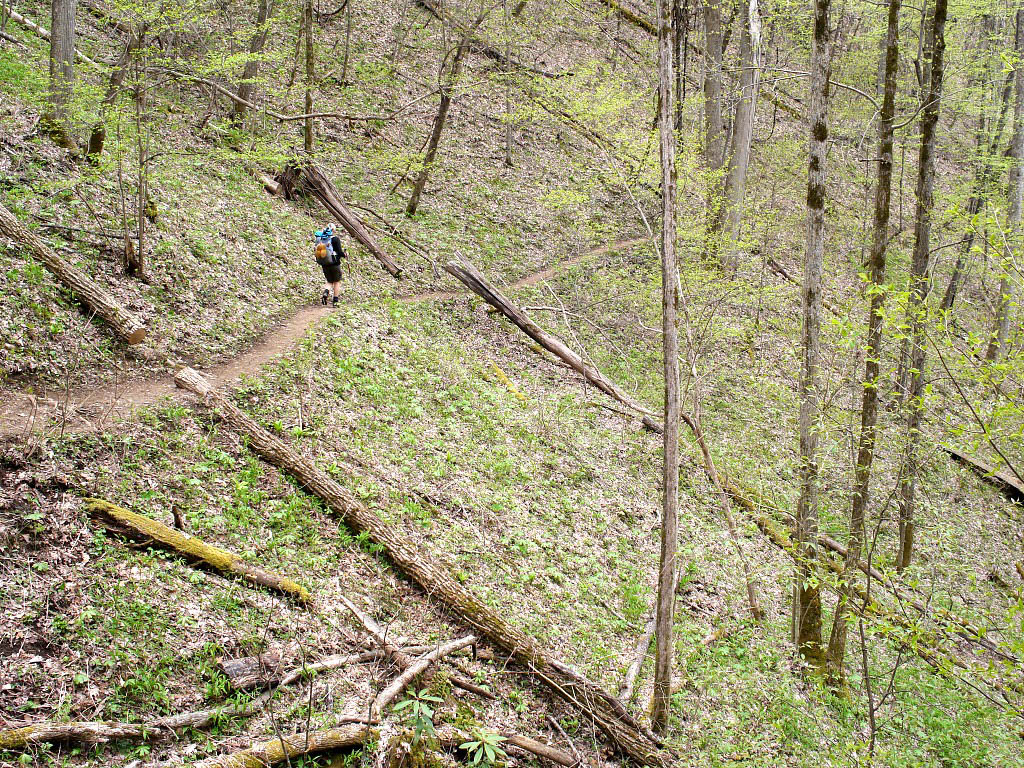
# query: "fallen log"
[[91, 294], [45, 34], [1001, 479], [310, 179], [452, 738], [414, 670], [161, 729], [81, 732], [435, 580], [279, 750], [146, 529], [252, 671], [476, 282]]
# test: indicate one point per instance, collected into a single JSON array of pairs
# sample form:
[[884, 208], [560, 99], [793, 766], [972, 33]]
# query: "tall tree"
[[670, 497], [920, 283], [714, 127], [440, 118], [743, 127], [252, 65], [307, 30], [869, 399], [62, 70], [806, 598], [98, 136], [1015, 193]]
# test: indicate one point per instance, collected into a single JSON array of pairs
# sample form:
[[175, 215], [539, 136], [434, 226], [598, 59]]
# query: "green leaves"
[[420, 713], [484, 748]]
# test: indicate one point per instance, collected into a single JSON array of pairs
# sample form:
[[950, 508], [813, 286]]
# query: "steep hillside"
[[531, 488]]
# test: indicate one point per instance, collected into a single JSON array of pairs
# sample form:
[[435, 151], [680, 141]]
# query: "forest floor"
[[546, 505], [94, 408]]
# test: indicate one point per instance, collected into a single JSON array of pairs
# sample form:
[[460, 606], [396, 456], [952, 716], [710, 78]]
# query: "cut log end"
[[137, 336]]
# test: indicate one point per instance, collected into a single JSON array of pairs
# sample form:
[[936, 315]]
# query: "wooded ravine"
[[664, 405]]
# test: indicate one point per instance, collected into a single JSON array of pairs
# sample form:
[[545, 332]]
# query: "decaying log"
[[146, 529], [279, 750], [1001, 479], [310, 179], [435, 580], [81, 732], [410, 673], [158, 730], [476, 282], [451, 738], [93, 296], [252, 671], [272, 187]]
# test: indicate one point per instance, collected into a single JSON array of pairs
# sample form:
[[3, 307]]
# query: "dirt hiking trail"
[[91, 409]]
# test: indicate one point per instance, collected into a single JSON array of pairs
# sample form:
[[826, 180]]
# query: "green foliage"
[[485, 747], [419, 713]]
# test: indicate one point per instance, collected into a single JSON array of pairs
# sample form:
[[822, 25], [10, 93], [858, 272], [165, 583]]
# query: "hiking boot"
[[334, 302], [323, 297]]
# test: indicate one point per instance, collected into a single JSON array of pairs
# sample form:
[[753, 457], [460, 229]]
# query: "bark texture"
[[310, 179], [286, 749], [62, 68], [807, 599], [665, 613], [919, 286], [147, 529], [91, 294], [435, 580], [836, 654], [307, 30], [476, 282]]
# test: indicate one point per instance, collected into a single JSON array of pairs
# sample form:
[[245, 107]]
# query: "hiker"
[[329, 253]]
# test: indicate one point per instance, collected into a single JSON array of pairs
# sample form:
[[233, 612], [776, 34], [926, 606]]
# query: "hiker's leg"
[[337, 288]]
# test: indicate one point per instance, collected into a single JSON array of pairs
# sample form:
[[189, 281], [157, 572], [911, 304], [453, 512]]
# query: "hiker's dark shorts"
[[332, 272]]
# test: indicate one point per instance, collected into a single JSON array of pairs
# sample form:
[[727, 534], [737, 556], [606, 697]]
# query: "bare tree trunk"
[[919, 284], [807, 599], [988, 149], [680, 22], [1016, 192], [438, 127], [307, 28], [252, 66], [714, 129], [743, 130], [670, 478], [869, 401], [508, 87], [62, 71], [348, 42], [98, 136]]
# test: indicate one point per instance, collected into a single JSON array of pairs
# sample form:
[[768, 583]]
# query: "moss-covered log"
[[91, 294], [480, 285], [195, 550], [279, 750], [310, 179], [82, 732], [435, 580]]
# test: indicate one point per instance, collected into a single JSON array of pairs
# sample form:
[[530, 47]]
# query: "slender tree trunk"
[[714, 128], [439, 121], [98, 137], [252, 66], [985, 172], [1016, 192], [807, 605], [62, 71], [670, 501], [348, 43], [743, 131], [679, 23], [307, 28], [919, 285], [508, 87], [869, 401]]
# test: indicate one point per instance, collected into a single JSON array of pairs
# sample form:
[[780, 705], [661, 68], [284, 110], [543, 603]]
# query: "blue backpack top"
[[324, 236]]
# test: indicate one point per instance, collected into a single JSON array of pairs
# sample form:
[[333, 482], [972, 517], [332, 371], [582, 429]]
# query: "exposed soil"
[[92, 409]]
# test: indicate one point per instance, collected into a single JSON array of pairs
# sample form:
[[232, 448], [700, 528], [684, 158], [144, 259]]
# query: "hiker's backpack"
[[323, 237]]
